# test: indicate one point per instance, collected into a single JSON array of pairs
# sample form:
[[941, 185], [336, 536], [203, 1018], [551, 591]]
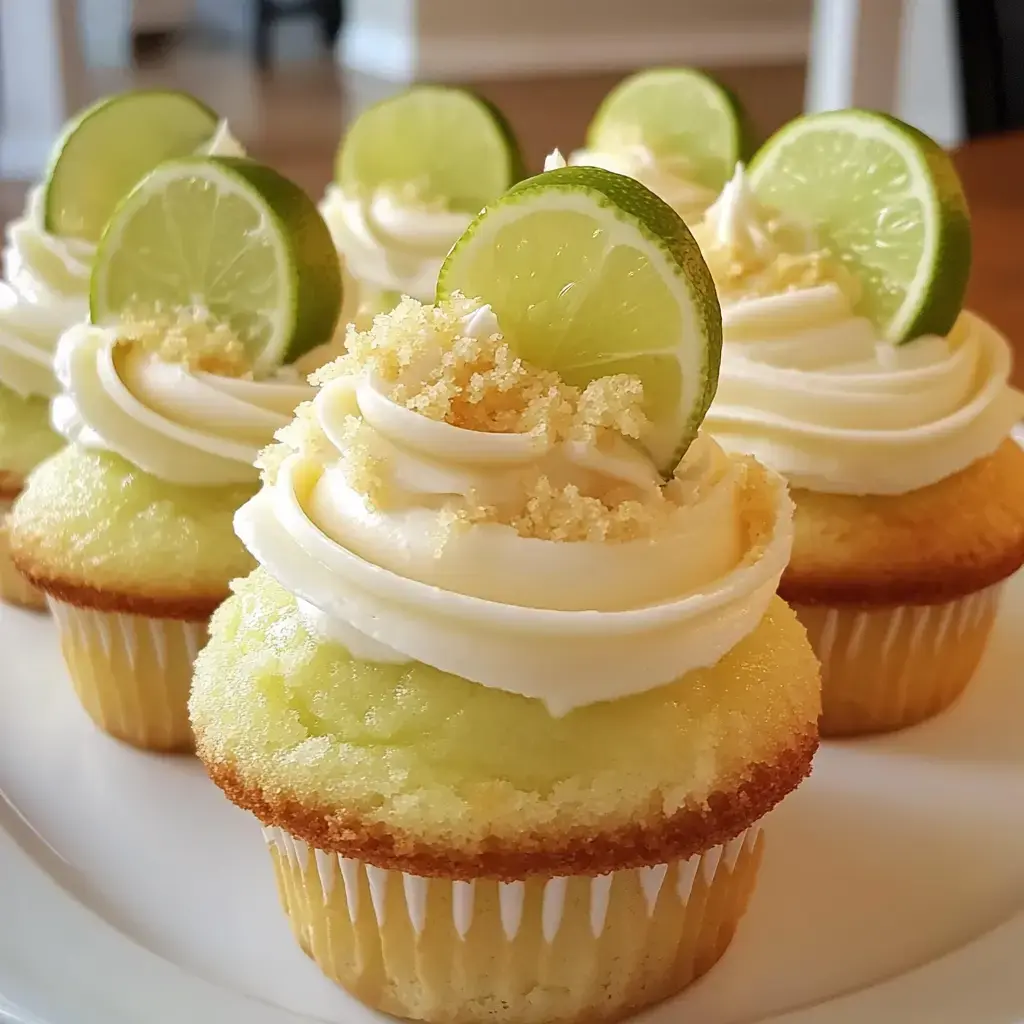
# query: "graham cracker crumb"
[[422, 358], [303, 434], [793, 262], [189, 335]]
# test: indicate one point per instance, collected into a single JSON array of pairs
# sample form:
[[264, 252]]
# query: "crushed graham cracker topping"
[[787, 264], [421, 358], [188, 335], [426, 363], [788, 272]]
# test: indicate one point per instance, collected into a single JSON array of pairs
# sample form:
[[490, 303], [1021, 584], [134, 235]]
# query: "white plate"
[[131, 891]]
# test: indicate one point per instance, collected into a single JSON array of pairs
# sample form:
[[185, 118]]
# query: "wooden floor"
[[293, 116]]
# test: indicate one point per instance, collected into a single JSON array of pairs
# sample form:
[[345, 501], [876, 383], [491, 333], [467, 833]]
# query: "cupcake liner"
[[545, 949], [132, 673], [887, 668], [14, 588]]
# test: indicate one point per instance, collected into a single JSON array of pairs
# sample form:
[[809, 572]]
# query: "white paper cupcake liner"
[[132, 673], [886, 668], [540, 949]]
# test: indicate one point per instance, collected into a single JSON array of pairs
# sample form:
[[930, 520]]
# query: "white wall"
[[40, 81], [929, 93], [470, 38]]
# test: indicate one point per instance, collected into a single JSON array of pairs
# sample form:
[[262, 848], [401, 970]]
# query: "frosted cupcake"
[[676, 130], [45, 290], [128, 530], [909, 492], [411, 173], [48, 258], [526, 700]]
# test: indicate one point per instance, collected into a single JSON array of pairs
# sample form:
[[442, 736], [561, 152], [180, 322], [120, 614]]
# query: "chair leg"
[[982, 63], [332, 14], [265, 14]]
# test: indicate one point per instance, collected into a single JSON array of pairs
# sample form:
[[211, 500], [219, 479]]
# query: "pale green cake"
[[25, 434], [91, 519]]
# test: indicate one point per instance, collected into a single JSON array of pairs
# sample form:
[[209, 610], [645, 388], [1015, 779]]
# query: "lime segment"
[[110, 147], [590, 274], [230, 236], [682, 116], [445, 145], [886, 200]]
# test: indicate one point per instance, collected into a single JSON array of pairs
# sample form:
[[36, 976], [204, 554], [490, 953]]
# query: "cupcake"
[[676, 130], [886, 407], [45, 290], [509, 703], [411, 173], [165, 406]]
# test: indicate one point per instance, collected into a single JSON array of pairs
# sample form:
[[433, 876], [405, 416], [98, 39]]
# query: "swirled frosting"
[[668, 179], [46, 289], [811, 389], [391, 243], [179, 424], [409, 538]]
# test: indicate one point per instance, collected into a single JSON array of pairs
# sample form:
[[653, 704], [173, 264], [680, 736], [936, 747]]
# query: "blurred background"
[[288, 74]]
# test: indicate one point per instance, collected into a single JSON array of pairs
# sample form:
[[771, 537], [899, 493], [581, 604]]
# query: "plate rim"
[[64, 982], [151, 988]]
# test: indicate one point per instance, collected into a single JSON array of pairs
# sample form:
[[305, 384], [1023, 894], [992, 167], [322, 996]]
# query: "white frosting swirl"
[[569, 622], [46, 289], [669, 180], [811, 389], [183, 426], [390, 245]]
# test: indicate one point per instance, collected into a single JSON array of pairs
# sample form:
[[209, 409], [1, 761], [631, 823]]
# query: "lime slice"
[[233, 237], [109, 147], [886, 200], [446, 145], [591, 274], [680, 115]]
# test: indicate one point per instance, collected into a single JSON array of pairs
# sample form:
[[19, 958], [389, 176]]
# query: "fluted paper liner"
[[887, 668], [132, 673], [575, 948], [14, 588]]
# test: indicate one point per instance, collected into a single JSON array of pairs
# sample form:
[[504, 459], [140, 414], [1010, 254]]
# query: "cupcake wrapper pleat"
[[887, 668], [132, 673], [14, 588], [574, 948]]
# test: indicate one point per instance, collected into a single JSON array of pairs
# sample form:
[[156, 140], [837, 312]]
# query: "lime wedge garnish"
[[109, 147], [590, 274], [682, 116], [443, 145], [886, 200], [232, 237]]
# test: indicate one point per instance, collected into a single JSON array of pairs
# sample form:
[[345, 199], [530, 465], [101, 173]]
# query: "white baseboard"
[[377, 51]]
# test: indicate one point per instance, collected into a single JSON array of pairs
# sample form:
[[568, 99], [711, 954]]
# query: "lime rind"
[[633, 217], [109, 147], [449, 145], [923, 194], [679, 114], [301, 301]]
